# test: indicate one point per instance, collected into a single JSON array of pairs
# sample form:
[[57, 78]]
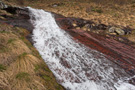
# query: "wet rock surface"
[[19, 17], [119, 51]]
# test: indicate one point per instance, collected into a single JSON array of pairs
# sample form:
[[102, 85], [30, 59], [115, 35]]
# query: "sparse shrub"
[[2, 67], [23, 76]]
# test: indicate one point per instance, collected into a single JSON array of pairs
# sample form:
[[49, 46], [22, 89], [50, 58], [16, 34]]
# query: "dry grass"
[[109, 12], [21, 67]]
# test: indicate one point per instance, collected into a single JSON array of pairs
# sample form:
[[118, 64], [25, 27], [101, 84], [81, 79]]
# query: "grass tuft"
[[23, 76]]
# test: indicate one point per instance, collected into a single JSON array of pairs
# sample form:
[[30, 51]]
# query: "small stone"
[[55, 5], [119, 31], [77, 27], [116, 30], [88, 29], [74, 24], [113, 33], [120, 39], [84, 29], [112, 30]]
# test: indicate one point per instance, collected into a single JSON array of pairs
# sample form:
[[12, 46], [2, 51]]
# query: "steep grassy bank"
[[21, 67]]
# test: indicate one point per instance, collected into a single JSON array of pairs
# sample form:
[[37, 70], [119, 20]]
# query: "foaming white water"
[[75, 66], [125, 86]]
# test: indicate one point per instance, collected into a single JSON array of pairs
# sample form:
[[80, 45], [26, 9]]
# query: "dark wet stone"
[[132, 80], [127, 30], [20, 18]]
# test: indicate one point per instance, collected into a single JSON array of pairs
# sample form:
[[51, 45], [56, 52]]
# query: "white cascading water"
[[75, 66]]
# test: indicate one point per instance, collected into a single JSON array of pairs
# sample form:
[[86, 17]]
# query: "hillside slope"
[[21, 67]]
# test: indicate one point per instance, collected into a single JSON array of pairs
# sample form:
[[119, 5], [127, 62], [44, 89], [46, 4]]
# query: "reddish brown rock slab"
[[118, 52]]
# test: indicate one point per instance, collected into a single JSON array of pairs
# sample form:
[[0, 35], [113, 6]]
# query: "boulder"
[[112, 30], [116, 30], [119, 31]]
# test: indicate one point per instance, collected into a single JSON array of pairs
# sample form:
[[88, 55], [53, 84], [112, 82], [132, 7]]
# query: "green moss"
[[41, 66], [23, 76], [98, 10], [37, 67], [46, 77], [2, 68], [22, 38], [11, 41], [4, 32], [58, 87]]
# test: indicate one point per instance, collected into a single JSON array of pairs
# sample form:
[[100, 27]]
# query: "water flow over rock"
[[75, 66]]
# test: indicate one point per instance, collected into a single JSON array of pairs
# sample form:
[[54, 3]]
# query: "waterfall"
[[75, 66]]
